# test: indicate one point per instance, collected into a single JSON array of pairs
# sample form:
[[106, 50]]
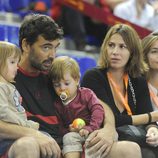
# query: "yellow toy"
[[77, 123]]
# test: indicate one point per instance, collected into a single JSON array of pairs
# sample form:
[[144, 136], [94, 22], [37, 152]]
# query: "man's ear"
[[25, 46]]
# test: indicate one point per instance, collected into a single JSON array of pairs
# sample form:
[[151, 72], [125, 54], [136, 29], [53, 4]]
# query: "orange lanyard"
[[124, 99], [153, 96]]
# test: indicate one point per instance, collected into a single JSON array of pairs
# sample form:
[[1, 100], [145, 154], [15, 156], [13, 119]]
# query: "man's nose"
[[52, 53]]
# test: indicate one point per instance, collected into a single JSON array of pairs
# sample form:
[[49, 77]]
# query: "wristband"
[[150, 117]]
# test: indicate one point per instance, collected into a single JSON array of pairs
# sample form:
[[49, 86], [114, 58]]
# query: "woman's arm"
[[142, 119], [144, 113]]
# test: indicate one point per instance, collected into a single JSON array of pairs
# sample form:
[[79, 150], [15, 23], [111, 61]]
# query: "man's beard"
[[37, 66], [44, 66], [41, 66]]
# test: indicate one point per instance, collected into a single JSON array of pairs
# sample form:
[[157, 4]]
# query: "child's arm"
[[32, 124], [97, 113], [7, 115], [13, 113]]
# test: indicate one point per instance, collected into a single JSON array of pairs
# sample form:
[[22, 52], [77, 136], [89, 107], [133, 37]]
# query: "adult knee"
[[24, 147], [132, 151]]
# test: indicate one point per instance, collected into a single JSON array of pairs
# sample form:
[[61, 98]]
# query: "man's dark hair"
[[38, 24]]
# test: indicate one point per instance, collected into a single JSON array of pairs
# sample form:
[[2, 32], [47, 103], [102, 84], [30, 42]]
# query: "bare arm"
[[144, 118], [12, 131], [109, 121], [101, 141]]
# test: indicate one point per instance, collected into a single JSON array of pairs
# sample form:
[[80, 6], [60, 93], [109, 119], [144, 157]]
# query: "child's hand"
[[33, 124], [72, 129], [83, 132]]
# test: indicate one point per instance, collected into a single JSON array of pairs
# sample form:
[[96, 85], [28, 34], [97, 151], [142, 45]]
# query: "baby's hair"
[[62, 65], [8, 49]]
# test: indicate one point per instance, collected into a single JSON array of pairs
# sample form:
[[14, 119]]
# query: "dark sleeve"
[[143, 102]]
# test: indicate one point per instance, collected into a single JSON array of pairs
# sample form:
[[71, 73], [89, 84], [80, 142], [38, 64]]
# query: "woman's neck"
[[117, 75]]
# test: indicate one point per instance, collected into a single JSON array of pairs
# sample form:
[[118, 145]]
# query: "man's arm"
[[109, 121], [101, 140], [12, 131]]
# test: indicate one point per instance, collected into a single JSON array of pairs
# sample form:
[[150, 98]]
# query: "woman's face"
[[153, 56], [118, 54]]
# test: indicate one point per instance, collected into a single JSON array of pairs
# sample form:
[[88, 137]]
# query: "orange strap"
[[124, 99], [153, 97]]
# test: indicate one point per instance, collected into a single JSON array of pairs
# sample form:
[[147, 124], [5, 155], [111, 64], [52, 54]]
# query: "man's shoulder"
[[26, 76]]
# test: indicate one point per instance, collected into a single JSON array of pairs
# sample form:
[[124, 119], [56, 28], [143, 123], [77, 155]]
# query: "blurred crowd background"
[[83, 34]]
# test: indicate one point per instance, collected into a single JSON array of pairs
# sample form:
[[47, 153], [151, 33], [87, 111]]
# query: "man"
[[39, 37]]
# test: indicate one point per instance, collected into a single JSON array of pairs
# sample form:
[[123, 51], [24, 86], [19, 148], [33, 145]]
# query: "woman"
[[150, 50], [118, 78]]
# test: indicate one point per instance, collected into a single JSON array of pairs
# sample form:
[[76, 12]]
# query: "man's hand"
[[100, 142], [48, 146]]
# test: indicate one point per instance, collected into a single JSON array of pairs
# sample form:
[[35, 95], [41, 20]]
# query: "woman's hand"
[[152, 136]]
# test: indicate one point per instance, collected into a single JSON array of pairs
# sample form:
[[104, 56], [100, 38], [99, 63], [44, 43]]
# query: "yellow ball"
[[78, 123]]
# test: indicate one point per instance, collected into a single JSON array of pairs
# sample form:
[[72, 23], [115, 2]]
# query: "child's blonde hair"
[[62, 65], [6, 50]]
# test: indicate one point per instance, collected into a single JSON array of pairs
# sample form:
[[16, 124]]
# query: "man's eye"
[[46, 48]]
